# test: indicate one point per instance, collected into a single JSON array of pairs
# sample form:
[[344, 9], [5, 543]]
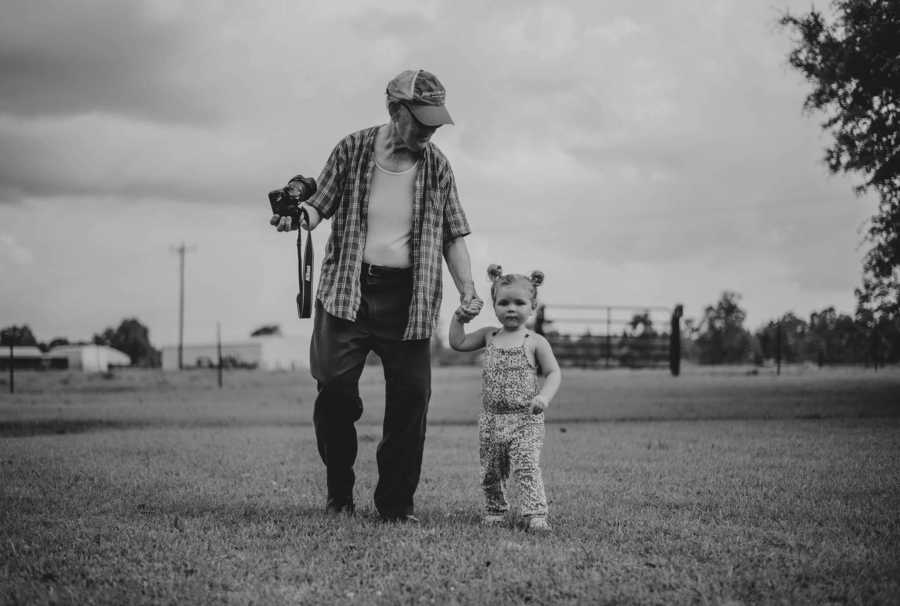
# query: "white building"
[[270, 352], [23, 356], [90, 358]]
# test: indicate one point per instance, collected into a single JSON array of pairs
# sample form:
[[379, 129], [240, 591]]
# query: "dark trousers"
[[337, 357]]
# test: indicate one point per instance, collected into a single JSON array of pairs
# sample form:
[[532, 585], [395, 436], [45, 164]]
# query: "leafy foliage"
[[853, 64], [56, 342], [132, 338], [17, 335], [721, 337], [831, 338]]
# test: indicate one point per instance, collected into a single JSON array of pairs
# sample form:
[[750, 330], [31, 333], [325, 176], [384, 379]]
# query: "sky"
[[638, 153]]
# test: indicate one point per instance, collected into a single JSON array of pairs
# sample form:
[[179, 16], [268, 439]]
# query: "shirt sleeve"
[[330, 183], [455, 223]]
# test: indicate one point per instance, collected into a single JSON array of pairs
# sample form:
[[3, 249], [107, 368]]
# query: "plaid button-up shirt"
[[343, 196]]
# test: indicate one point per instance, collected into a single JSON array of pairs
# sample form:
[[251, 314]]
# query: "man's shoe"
[[340, 508]]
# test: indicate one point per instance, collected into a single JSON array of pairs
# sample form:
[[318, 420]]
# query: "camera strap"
[[305, 269]]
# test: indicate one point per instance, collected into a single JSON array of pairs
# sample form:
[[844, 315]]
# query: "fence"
[[610, 336]]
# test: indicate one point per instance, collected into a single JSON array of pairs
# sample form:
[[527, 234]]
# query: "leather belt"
[[381, 271]]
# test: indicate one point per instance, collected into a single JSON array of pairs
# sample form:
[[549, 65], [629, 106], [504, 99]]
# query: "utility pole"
[[181, 250]]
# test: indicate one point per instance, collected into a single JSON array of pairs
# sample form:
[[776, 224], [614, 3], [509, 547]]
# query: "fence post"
[[778, 348], [675, 341], [12, 372]]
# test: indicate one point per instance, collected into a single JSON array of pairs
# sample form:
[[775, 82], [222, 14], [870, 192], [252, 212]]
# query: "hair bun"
[[537, 277], [494, 272]]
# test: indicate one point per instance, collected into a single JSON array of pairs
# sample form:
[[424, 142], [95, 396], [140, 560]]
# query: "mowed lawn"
[[708, 488]]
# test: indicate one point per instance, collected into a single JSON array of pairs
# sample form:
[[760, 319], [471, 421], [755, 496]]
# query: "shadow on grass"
[[184, 513], [62, 426], [38, 427], [233, 513]]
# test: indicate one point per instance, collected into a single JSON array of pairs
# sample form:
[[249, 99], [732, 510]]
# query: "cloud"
[[13, 252], [53, 157], [63, 58], [614, 31]]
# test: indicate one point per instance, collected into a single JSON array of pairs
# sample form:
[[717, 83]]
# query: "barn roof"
[[22, 351]]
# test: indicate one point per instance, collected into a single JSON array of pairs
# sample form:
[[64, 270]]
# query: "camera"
[[285, 202]]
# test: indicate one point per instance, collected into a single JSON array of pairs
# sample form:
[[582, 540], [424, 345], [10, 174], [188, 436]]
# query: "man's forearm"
[[460, 266]]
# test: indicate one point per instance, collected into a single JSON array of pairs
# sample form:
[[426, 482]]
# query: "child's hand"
[[538, 405], [465, 313], [461, 316]]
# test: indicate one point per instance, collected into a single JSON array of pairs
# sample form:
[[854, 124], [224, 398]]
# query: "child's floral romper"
[[511, 436]]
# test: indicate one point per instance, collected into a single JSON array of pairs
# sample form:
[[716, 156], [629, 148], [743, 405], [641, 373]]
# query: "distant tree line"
[[130, 337], [718, 336], [827, 337]]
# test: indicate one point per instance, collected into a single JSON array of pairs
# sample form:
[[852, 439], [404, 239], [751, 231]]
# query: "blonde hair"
[[498, 279]]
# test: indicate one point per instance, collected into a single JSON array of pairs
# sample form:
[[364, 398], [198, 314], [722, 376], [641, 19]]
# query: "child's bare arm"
[[543, 353], [460, 341]]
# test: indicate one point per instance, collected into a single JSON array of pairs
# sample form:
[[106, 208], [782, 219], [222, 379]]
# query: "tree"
[[132, 338], [796, 345], [57, 341], [832, 338], [17, 335], [643, 341], [642, 325], [882, 335], [838, 338], [721, 337], [853, 64]]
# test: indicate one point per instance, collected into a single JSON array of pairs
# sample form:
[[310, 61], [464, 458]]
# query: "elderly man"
[[395, 213]]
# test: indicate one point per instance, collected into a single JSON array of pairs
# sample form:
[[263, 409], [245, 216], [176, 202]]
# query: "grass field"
[[145, 487]]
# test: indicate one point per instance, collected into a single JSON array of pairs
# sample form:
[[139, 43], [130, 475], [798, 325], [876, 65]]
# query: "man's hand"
[[538, 405], [466, 314], [282, 223], [470, 306]]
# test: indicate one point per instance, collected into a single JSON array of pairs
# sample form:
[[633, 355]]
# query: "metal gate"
[[613, 336]]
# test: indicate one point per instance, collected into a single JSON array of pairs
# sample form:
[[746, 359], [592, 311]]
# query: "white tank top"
[[390, 217]]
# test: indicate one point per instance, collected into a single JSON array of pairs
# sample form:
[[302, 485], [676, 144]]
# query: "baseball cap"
[[423, 94]]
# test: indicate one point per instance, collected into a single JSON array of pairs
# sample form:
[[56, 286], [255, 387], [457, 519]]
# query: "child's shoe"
[[493, 519], [538, 524]]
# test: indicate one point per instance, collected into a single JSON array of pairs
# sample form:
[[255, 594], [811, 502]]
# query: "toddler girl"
[[511, 425]]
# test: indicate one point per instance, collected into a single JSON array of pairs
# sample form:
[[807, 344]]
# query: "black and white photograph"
[[449, 302]]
